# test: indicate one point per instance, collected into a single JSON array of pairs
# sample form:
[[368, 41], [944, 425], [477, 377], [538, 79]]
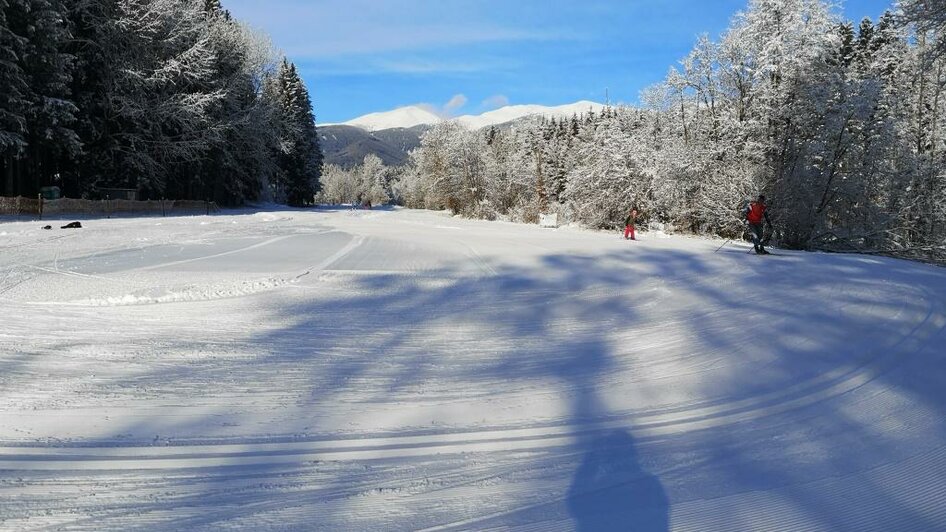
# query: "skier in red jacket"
[[755, 215]]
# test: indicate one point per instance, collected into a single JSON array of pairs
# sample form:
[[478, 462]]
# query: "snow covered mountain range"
[[391, 135], [411, 116]]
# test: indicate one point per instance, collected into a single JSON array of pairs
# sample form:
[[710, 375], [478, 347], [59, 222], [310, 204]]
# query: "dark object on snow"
[[73, 225], [48, 227]]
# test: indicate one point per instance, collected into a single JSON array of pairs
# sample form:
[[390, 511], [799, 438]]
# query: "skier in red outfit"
[[755, 215], [629, 224]]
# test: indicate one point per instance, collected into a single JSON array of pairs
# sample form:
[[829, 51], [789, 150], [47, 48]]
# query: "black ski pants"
[[756, 231]]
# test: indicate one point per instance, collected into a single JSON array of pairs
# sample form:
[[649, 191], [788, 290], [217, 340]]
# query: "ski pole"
[[724, 245]]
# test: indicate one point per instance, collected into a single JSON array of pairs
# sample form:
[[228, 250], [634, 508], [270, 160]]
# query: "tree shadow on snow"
[[375, 340]]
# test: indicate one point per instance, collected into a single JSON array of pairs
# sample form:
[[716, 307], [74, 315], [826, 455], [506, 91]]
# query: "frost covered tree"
[[240, 154], [929, 17], [447, 160], [841, 128], [338, 186], [158, 59], [369, 181], [606, 181], [163, 96], [373, 176]]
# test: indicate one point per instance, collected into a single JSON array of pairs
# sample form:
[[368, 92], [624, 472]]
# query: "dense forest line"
[[840, 126], [172, 98]]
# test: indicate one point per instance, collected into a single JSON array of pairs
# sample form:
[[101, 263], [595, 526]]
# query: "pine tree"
[[846, 33], [215, 8], [236, 159], [40, 30], [93, 78], [865, 36], [13, 103], [54, 141], [299, 159]]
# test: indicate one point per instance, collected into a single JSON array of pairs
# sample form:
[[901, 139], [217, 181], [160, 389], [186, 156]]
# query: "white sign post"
[[548, 220]]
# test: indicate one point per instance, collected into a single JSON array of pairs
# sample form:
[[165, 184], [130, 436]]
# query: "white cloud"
[[427, 67], [456, 103], [495, 102], [324, 29], [447, 110]]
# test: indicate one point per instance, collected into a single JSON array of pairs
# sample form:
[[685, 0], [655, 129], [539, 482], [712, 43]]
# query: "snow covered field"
[[404, 370]]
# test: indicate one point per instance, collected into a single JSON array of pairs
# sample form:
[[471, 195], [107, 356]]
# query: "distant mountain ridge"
[[412, 116], [391, 135], [403, 117], [347, 146], [515, 112]]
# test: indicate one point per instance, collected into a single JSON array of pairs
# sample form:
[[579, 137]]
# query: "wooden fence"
[[103, 208]]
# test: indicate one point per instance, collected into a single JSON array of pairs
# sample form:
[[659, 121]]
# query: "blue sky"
[[471, 56]]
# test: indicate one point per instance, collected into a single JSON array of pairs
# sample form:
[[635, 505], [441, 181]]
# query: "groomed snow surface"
[[405, 370]]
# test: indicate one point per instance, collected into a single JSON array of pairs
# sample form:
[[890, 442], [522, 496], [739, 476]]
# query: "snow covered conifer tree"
[[846, 33], [865, 36], [35, 36], [299, 157], [602, 185], [13, 103], [156, 123], [241, 151], [215, 8]]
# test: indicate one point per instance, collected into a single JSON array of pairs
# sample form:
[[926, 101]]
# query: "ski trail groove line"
[[352, 245], [38, 242], [645, 426], [69, 273], [214, 256], [240, 503], [563, 434], [480, 261]]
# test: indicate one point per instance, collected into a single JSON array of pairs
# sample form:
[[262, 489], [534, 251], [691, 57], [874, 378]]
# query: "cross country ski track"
[[405, 370], [648, 425]]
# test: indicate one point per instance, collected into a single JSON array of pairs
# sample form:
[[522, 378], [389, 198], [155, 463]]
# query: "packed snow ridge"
[[412, 116]]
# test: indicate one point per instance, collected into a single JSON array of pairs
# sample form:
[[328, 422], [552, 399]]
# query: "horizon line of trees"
[[172, 98], [842, 128]]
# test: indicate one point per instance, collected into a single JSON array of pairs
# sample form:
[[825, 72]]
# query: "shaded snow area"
[[405, 370]]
